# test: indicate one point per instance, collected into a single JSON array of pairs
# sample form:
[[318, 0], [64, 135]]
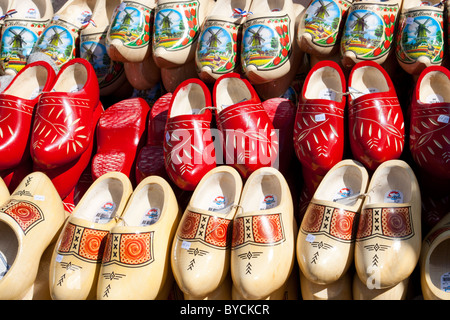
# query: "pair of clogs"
[[375, 117], [376, 224], [31, 218], [116, 243], [246, 230], [245, 137]]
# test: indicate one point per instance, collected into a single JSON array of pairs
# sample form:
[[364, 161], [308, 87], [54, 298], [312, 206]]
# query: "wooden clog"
[[129, 35], [340, 289], [219, 39], [30, 219], [362, 292], [328, 229], [420, 36], [320, 31], [434, 262], [142, 75], [59, 41], [389, 235], [201, 248], [136, 259], [79, 249], [21, 30], [369, 31], [264, 229], [110, 74], [223, 292]]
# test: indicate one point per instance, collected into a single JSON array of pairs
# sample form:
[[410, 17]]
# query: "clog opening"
[[100, 203], [146, 207], [368, 80], [216, 194], [341, 186], [264, 193], [72, 79], [434, 87], [9, 247], [188, 100], [325, 83], [32, 81], [230, 91], [391, 185], [439, 266]]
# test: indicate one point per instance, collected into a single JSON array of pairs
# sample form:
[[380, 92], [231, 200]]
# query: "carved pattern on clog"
[[129, 249], [25, 213], [209, 230], [85, 243], [263, 230]]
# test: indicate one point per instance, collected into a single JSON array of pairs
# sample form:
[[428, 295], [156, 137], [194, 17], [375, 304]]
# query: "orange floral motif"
[[26, 214]]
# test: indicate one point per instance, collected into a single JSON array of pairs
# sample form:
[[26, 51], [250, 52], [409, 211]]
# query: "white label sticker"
[[343, 193], [104, 215], [218, 203], [393, 196], [434, 98], [151, 217], [320, 117], [443, 118], [39, 197], [310, 238], [4, 267], [327, 94], [59, 258], [268, 202], [186, 245], [445, 282]]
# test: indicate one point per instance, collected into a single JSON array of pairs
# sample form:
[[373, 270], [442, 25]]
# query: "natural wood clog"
[[369, 31], [389, 235], [420, 36], [328, 228], [136, 259], [340, 289], [30, 219], [129, 35], [217, 48], [201, 248], [78, 253], [142, 75], [59, 42], [434, 262], [21, 30], [319, 32], [223, 292], [362, 292], [110, 74], [264, 230]]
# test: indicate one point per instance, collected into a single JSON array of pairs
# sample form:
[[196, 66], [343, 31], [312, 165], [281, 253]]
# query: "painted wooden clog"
[[136, 259], [110, 74], [201, 248], [396, 292], [420, 36], [340, 289], [143, 75], [328, 229], [79, 249], [219, 40], [264, 229], [320, 31], [375, 117], [21, 30], [434, 262], [389, 236], [129, 35], [369, 31], [59, 41], [30, 219], [429, 134]]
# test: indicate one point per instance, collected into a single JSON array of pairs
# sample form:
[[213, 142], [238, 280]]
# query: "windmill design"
[[127, 20], [55, 39], [322, 11], [213, 41], [256, 39], [90, 55], [166, 22], [17, 42], [359, 26], [422, 31]]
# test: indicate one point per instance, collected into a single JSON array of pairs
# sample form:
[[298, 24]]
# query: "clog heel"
[[420, 37], [264, 229], [328, 228], [389, 236], [217, 48], [136, 259], [369, 31], [434, 262], [29, 221], [201, 248], [21, 30], [78, 253]]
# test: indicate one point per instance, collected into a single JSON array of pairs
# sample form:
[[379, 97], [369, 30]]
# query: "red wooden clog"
[[377, 131], [17, 104], [319, 122], [250, 140], [189, 151], [430, 122], [63, 127], [119, 137]]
